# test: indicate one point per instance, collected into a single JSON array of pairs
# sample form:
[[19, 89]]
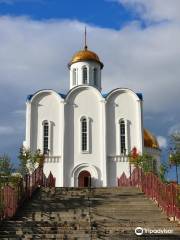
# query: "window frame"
[[122, 137], [95, 76], [86, 150], [74, 77], [84, 80], [46, 137]]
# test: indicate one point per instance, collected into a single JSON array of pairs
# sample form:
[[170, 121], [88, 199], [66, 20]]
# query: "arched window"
[[45, 137], [84, 75], [95, 76], [74, 76], [122, 137], [84, 134]]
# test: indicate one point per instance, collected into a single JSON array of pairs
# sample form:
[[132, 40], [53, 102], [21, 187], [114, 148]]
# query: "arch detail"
[[122, 90], [83, 167], [41, 92], [76, 89]]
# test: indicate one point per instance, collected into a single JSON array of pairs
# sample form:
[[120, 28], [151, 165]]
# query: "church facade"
[[86, 135]]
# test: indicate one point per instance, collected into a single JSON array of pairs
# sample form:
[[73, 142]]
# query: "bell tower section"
[[85, 68]]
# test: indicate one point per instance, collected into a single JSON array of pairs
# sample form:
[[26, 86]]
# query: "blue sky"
[[108, 14], [137, 40]]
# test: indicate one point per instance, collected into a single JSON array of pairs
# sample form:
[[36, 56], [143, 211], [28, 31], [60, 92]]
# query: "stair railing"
[[11, 198], [167, 196]]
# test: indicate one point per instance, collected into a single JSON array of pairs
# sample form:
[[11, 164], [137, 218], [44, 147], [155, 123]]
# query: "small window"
[[74, 76], [123, 137], [85, 75], [84, 134], [46, 138], [95, 76]]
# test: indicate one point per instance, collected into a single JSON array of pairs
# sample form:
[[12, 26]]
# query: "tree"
[[147, 163], [162, 171], [38, 158], [28, 161], [144, 161], [6, 167], [24, 157], [174, 156]]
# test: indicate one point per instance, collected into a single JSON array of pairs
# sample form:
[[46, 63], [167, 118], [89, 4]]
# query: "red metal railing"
[[13, 197], [165, 195]]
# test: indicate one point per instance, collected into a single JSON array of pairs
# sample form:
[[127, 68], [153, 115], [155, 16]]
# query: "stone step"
[[81, 225], [114, 214], [100, 225], [49, 236], [53, 214], [50, 224], [123, 237]]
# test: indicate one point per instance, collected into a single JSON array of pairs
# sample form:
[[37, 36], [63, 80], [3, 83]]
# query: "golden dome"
[[150, 140], [85, 55]]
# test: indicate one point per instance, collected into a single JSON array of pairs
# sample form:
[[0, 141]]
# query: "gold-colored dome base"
[[150, 140], [85, 55]]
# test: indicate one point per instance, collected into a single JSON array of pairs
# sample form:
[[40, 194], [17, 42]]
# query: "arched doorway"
[[84, 179]]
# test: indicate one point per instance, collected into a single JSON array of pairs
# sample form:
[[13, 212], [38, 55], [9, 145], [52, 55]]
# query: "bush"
[[5, 165], [144, 161], [30, 161]]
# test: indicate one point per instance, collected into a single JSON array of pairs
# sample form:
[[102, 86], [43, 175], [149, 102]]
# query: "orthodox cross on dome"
[[85, 40]]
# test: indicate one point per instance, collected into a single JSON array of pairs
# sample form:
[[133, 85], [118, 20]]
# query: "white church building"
[[86, 135]]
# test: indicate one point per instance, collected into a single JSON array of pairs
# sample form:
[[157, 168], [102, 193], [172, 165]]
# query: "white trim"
[[119, 158], [28, 125], [123, 90], [104, 144], [77, 76], [62, 138], [83, 87], [140, 126], [126, 137], [52, 159], [50, 91], [50, 138]]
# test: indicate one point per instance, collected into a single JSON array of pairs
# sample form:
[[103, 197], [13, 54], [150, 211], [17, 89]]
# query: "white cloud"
[[148, 117], [19, 112], [6, 130], [34, 55], [155, 10], [162, 141], [175, 128]]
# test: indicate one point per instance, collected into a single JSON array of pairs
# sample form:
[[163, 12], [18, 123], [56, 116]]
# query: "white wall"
[[79, 79], [47, 105], [56, 169], [115, 170], [84, 101], [123, 104], [103, 115]]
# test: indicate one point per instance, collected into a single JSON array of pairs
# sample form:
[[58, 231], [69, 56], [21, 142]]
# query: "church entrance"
[[84, 179]]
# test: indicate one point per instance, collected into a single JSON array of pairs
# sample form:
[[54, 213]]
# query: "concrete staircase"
[[74, 213]]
